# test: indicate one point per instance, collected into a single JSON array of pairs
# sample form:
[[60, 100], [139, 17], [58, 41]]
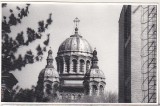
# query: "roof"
[[75, 43]]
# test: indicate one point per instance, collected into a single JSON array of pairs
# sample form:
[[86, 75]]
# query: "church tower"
[[73, 60], [77, 71], [48, 80], [94, 80]]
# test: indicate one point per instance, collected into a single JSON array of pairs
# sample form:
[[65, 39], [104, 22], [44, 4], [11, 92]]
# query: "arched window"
[[82, 65], [72, 97], [61, 66], [94, 91], [48, 88], [87, 65], [101, 90], [67, 96], [74, 65], [87, 89], [60, 96], [79, 96], [55, 86], [58, 67], [67, 65]]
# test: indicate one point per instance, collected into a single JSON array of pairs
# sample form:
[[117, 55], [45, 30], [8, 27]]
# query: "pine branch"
[[10, 46], [13, 20]]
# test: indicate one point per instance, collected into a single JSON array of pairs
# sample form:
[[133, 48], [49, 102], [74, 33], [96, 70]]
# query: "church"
[[77, 72]]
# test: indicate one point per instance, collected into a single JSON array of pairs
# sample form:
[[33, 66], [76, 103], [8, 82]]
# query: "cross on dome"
[[76, 21]]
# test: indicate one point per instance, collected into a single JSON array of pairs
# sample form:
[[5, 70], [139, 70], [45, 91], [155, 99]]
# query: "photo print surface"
[[79, 53]]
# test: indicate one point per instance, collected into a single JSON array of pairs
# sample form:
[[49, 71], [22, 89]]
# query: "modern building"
[[137, 54], [77, 71]]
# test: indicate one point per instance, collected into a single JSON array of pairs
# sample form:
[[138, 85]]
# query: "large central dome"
[[74, 56], [75, 43]]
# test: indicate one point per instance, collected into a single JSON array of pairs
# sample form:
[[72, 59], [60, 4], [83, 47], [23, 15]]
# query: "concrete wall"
[[124, 55], [130, 55], [136, 92]]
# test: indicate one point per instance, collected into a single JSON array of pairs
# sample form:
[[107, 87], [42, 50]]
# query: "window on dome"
[[94, 92], [101, 90], [87, 65], [48, 89], [55, 86], [61, 67], [82, 65], [60, 96], [79, 96], [74, 65], [67, 66], [67, 96], [72, 97]]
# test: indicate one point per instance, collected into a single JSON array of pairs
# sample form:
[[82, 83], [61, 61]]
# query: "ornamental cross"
[[76, 21]]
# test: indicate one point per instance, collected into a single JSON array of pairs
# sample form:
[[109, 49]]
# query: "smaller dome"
[[50, 74], [95, 73]]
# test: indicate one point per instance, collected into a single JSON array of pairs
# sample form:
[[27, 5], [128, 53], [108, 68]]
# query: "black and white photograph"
[[60, 52]]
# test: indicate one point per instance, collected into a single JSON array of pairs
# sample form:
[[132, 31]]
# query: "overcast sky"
[[98, 25]]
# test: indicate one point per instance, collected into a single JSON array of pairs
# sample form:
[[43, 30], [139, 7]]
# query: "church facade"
[[77, 72]]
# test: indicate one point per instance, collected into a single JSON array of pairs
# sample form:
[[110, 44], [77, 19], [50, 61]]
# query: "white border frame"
[[114, 2]]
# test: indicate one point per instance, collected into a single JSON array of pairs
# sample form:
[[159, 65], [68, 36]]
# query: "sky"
[[98, 25]]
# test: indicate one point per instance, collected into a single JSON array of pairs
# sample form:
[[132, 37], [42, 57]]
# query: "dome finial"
[[50, 51], [49, 59], [94, 59], [95, 52], [76, 21]]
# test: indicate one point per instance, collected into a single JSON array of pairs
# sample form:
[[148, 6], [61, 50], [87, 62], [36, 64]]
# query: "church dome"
[[75, 43], [49, 72], [95, 73]]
